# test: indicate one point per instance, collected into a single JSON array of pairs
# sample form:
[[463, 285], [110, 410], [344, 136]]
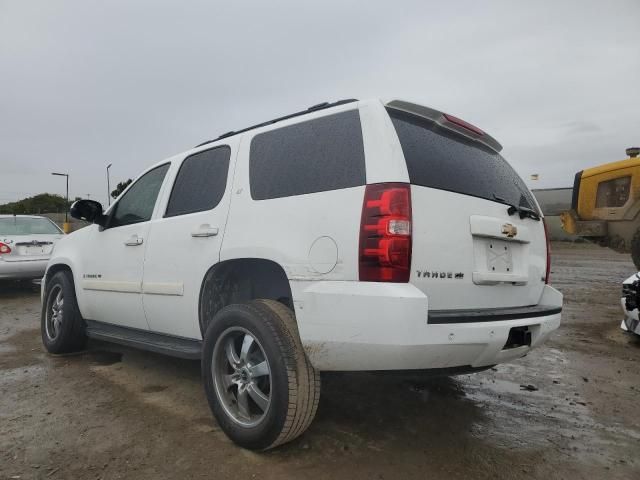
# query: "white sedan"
[[630, 303], [26, 243]]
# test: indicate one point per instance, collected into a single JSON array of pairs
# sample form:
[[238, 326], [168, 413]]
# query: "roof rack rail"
[[314, 108]]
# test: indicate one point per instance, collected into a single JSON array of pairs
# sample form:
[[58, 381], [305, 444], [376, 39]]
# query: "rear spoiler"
[[448, 122]]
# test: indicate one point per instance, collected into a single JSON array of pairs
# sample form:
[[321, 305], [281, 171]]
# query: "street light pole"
[[66, 210], [108, 185]]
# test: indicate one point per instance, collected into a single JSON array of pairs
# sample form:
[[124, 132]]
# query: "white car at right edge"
[[351, 236], [630, 302]]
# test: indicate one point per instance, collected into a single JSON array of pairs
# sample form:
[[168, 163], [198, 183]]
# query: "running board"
[[154, 342]]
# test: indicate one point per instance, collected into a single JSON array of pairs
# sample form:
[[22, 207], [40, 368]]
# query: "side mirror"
[[88, 210]]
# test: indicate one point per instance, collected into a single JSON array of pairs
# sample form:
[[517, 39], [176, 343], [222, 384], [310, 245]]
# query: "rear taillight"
[[547, 276], [385, 233], [4, 248]]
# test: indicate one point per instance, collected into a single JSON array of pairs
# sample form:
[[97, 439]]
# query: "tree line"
[[48, 202]]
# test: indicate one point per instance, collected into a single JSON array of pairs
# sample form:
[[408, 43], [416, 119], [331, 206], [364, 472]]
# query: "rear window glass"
[[441, 159], [313, 156], [200, 183], [28, 226]]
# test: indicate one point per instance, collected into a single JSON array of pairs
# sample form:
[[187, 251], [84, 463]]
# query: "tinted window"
[[200, 183], [441, 159], [314, 156], [137, 204], [613, 193], [28, 226]]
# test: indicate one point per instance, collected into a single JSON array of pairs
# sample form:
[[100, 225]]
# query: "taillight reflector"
[[463, 124], [4, 248], [385, 233], [547, 276]]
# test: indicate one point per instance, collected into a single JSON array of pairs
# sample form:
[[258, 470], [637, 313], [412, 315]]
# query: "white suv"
[[358, 235]]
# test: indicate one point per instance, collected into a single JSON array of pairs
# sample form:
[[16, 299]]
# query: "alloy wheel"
[[241, 376]]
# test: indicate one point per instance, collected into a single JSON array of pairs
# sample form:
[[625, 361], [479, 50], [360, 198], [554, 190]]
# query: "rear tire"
[[61, 325], [260, 385], [635, 249]]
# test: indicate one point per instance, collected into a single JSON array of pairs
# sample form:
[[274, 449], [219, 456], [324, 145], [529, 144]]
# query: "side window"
[[613, 193], [313, 156], [200, 183], [137, 204]]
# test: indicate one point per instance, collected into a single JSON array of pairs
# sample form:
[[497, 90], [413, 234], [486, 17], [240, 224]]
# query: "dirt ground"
[[113, 412]]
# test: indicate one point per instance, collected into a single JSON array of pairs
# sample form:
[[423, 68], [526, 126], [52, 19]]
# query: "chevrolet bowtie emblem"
[[509, 230]]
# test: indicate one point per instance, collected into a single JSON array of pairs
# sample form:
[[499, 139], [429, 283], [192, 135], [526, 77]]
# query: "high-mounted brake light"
[[385, 233], [547, 275], [463, 124], [4, 248]]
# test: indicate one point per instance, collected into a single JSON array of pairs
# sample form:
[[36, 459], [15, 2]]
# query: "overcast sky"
[[86, 83]]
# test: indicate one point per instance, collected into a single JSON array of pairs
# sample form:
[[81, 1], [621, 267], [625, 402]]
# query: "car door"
[[185, 240], [112, 269]]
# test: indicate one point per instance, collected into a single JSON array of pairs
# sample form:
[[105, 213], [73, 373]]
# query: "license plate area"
[[499, 261], [30, 250], [499, 256], [518, 337]]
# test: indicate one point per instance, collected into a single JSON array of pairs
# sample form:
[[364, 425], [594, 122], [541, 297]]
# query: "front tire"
[[260, 385], [61, 324]]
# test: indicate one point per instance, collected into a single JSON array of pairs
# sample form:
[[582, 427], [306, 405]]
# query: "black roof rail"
[[314, 108]]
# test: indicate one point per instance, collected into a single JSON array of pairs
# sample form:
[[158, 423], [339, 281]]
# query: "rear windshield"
[[438, 158], [27, 226]]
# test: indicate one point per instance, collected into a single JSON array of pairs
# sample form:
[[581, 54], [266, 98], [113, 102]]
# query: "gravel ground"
[[113, 412]]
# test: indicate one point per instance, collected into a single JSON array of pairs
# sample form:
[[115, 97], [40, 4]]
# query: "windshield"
[[28, 226], [440, 159]]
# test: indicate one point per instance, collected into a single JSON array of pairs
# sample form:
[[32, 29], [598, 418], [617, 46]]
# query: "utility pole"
[[108, 185]]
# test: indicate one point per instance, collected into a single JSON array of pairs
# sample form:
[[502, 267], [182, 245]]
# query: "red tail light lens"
[[4, 248], [463, 124], [385, 233], [547, 276]]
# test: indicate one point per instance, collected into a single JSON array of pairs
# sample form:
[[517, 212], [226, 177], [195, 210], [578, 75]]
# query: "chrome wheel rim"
[[54, 313], [241, 376]]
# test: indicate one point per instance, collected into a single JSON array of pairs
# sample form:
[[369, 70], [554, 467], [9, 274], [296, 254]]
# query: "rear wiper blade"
[[524, 212]]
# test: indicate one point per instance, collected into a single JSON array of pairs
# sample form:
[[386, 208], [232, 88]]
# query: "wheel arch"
[[60, 266], [55, 268], [240, 280]]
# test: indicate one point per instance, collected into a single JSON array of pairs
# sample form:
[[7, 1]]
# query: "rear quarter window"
[[438, 158], [318, 155]]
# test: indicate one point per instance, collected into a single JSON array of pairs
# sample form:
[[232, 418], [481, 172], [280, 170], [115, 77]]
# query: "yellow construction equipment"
[[606, 203]]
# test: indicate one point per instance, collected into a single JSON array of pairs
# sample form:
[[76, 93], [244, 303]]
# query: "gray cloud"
[[579, 127], [87, 83]]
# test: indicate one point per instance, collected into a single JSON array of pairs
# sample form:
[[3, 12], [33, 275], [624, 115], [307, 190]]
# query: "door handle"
[[133, 241], [205, 230]]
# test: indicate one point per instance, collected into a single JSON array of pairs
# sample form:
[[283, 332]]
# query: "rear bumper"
[[377, 326], [27, 269], [491, 314]]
